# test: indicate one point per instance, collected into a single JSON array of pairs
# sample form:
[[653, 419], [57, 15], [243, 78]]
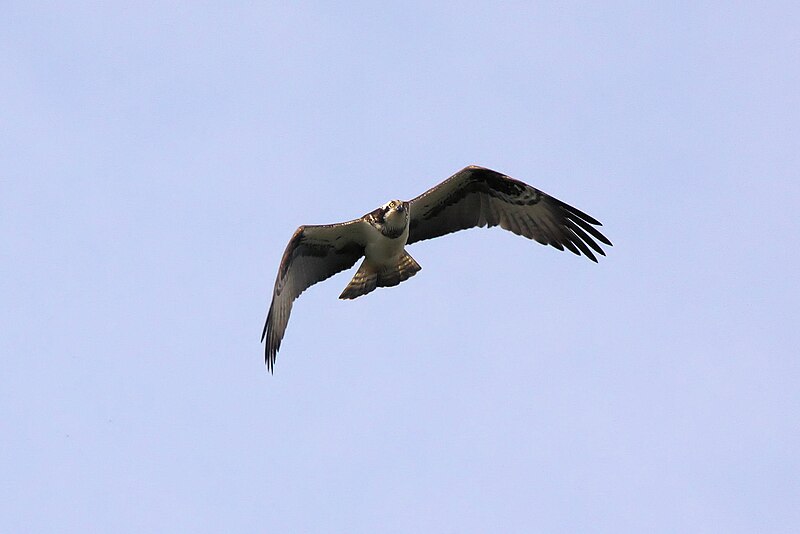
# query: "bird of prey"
[[472, 197]]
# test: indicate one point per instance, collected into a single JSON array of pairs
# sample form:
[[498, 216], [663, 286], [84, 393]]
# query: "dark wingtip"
[[270, 362], [603, 239]]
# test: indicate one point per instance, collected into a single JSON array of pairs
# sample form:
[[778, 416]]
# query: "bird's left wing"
[[476, 197], [314, 254]]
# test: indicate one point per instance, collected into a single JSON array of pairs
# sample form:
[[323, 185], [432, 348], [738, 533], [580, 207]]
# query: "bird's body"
[[384, 234], [385, 247], [473, 197]]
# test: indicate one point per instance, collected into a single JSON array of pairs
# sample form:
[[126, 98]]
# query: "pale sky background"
[[156, 157]]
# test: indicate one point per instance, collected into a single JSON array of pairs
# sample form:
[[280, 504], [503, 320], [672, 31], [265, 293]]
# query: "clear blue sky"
[[156, 157]]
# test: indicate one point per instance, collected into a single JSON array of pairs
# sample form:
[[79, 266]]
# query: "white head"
[[391, 218], [395, 212]]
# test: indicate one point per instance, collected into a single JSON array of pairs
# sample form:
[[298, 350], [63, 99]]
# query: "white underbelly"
[[381, 250]]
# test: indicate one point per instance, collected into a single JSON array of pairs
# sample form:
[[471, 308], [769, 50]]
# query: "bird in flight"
[[472, 197]]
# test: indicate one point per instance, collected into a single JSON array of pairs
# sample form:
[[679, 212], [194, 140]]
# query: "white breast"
[[382, 250]]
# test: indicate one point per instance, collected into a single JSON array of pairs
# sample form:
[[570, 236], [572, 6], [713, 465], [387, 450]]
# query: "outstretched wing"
[[477, 197], [314, 254]]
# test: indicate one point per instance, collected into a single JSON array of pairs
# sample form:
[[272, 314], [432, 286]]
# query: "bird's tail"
[[364, 281], [405, 268], [368, 277]]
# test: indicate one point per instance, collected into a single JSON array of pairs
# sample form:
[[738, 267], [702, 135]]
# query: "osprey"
[[472, 197]]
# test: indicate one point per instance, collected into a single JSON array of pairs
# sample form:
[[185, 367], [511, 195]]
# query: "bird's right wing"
[[314, 254]]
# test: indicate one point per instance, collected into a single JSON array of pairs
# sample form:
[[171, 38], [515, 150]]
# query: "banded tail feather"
[[368, 277]]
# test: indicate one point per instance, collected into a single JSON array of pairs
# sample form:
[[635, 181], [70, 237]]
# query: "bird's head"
[[395, 213], [393, 217]]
